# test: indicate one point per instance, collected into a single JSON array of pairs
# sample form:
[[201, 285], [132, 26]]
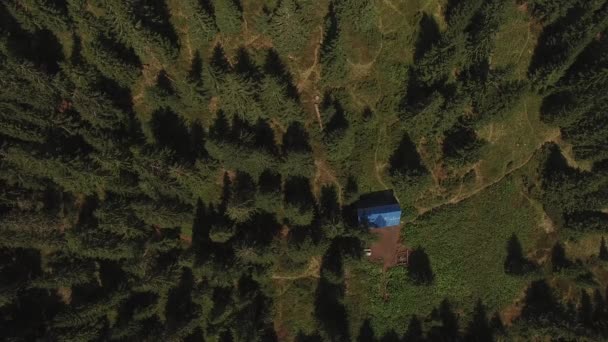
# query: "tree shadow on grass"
[[296, 139]]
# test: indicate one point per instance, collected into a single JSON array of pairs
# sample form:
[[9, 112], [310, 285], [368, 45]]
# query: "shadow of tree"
[[428, 35], [170, 131], [296, 139], [246, 67], [405, 160], [329, 309]]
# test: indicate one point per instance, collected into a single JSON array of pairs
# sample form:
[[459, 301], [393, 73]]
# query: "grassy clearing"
[[515, 41], [510, 144], [466, 244], [513, 140], [585, 246]]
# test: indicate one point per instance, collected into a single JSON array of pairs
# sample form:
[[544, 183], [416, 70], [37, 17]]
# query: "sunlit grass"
[[466, 245]]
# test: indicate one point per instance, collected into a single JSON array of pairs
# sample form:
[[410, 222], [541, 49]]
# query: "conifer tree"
[[599, 309], [603, 254], [288, 27], [450, 328], [479, 329], [228, 16], [141, 28], [585, 309], [414, 330], [496, 323], [36, 14], [201, 23]]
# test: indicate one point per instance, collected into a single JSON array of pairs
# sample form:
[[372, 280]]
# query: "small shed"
[[379, 209]]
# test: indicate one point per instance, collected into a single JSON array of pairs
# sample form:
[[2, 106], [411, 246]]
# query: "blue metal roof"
[[380, 216]]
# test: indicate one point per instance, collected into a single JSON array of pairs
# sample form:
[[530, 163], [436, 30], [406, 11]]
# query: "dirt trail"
[[392, 6], [377, 166], [462, 197], [325, 175], [305, 82], [546, 223], [371, 62]]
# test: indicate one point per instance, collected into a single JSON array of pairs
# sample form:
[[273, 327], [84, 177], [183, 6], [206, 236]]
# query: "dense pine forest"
[[188, 170]]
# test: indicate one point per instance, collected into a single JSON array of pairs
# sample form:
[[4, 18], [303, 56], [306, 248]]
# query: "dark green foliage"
[[479, 329], [329, 310], [585, 309], [496, 324], [414, 330], [228, 15], [461, 145], [186, 170], [599, 309], [569, 35], [603, 254], [450, 328], [540, 303], [366, 333]]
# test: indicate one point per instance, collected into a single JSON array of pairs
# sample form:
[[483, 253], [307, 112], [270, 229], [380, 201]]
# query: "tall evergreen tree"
[[603, 254], [450, 328], [414, 330], [599, 306], [585, 309], [228, 15], [479, 329]]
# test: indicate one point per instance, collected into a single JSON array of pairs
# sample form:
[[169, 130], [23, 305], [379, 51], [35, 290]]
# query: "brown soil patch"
[[523, 7], [213, 104], [186, 239], [387, 247], [509, 314], [65, 294]]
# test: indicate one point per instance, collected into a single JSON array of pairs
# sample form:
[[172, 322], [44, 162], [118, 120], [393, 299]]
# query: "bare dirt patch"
[[387, 247], [65, 294], [187, 240]]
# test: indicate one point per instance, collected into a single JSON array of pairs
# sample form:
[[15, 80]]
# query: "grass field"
[[466, 244]]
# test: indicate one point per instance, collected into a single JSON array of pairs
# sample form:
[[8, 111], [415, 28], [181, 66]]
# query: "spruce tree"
[[228, 16], [585, 309], [603, 254], [479, 329], [599, 307], [496, 323], [414, 330], [450, 328]]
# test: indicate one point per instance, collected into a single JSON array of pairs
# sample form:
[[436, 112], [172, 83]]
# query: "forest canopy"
[[189, 170]]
